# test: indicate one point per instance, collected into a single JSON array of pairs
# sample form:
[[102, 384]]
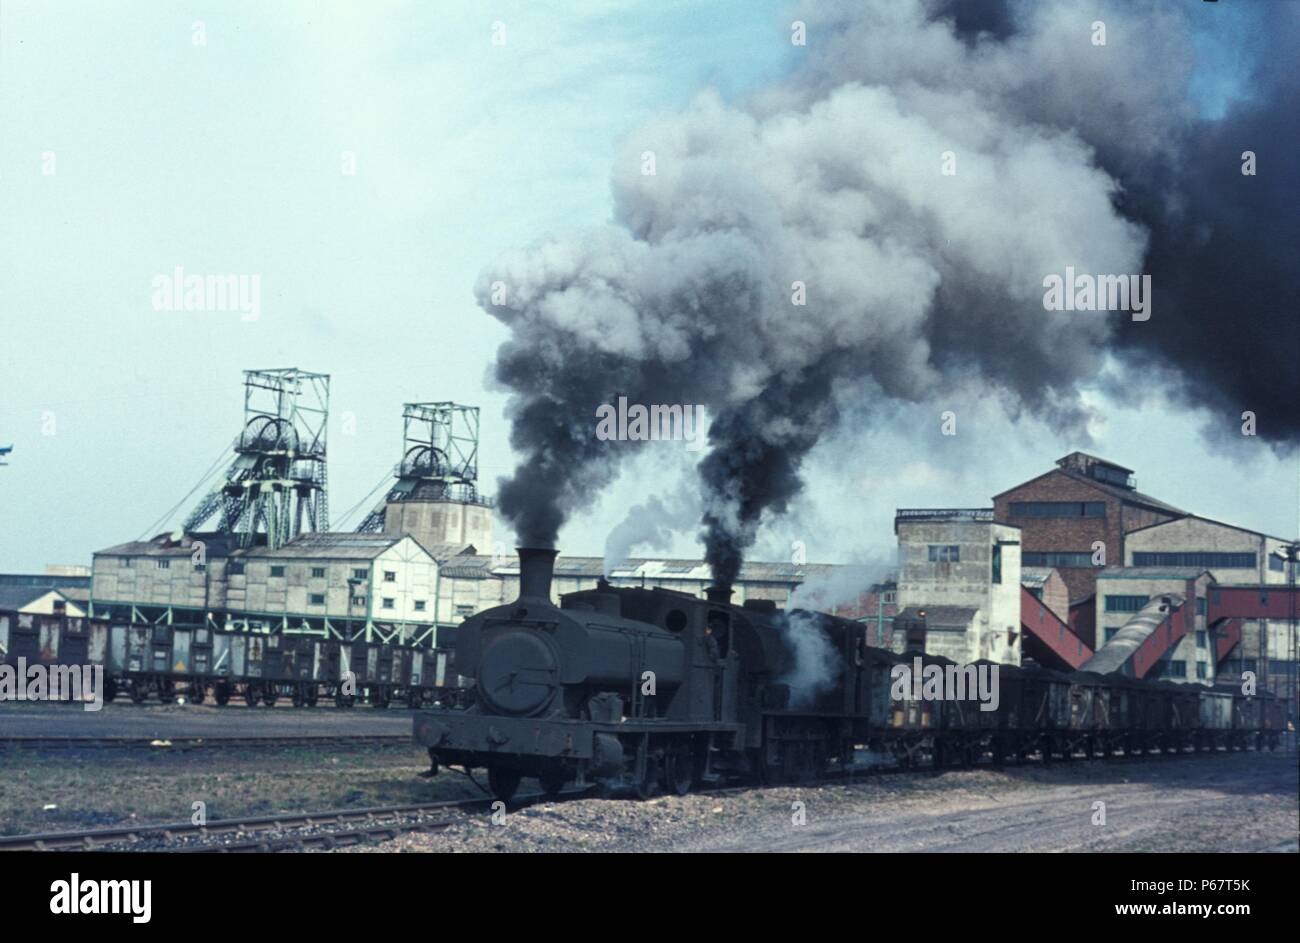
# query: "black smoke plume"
[[827, 188]]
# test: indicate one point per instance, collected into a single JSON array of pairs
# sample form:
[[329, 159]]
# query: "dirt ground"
[[1230, 803], [106, 788]]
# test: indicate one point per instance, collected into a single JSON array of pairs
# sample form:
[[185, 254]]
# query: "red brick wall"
[[1083, 621], [1074, 534], [1065, 534]]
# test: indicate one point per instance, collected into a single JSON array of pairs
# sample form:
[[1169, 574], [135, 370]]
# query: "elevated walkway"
[[1051, 642]]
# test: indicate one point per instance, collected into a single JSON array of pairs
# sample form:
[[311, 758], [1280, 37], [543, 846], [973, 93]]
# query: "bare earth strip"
[[1228, 803]]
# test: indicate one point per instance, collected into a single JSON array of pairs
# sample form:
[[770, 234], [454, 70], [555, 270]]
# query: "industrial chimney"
[[536, 566]]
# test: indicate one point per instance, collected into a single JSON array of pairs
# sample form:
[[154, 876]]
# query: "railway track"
[[45, 744], [252, 833]]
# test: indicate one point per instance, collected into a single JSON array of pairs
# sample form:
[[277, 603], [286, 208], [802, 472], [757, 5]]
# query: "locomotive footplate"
[[461, 732]]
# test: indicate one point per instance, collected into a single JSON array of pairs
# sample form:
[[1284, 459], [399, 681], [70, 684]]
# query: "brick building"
[[1075, 517]]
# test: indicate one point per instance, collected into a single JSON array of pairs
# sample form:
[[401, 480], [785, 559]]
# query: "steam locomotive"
[[655, 689]]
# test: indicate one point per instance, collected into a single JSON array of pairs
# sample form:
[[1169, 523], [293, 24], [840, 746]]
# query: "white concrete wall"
[[967, 582]]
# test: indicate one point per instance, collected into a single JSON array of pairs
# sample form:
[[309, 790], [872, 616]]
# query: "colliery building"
[[1109, 579]]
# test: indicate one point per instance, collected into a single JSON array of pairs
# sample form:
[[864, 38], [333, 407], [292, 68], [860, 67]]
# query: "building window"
[[360, 573], [390, 576], [1220, 561], [1200, 638], [1058, 509], [1177, 669], [164, 564], [419, 605], [1200, 606], [997, 563], [945, 553], [1276, 563], [1200, 669], [59, 605], [125, 561], [1110, 633], [1126, 603], [318, 572], [318, 599], [464, 611], [235, 568], [388, 602], [358, 600], [277, 571], [1056, 559]]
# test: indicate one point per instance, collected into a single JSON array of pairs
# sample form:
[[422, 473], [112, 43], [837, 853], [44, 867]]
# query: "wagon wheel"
[[221, 693], [312, 695], [679, 771], [250, 694], [138, 692], [553, 781], [297, 699], [342, 700], [503, 782], [270, 695], [379, 698], [198, 692], [110, 690], [648, 785], [166, 692]]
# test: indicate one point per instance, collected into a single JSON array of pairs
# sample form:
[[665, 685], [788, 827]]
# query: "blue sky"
[[225, 157]]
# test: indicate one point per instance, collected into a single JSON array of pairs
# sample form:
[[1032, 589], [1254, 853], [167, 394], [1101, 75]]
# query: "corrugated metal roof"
[[15, 597], [482, 567], [215, 545], [1035, 575], [946, 616], [1113, 655], [1153, 572]]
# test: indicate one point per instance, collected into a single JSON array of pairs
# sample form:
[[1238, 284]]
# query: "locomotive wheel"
[[503, 782], [648, 785], [221, 694], [679, 771], [553, 781]]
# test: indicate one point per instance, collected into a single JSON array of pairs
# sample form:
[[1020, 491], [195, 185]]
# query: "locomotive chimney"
[[720, 593], [536, 566]]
